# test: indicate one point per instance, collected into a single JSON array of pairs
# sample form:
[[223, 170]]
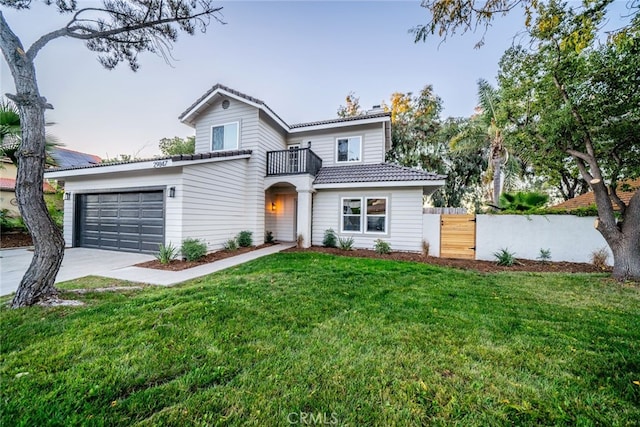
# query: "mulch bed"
[[178, 265], [464, 264], [10, 239]]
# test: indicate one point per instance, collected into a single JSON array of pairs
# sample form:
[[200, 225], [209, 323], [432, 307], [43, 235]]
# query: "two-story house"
[[252, 171]]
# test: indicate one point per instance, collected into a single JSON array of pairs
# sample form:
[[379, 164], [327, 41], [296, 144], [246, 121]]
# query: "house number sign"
[[160, 163]]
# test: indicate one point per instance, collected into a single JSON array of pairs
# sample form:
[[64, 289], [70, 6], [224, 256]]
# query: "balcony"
[[295, 161]]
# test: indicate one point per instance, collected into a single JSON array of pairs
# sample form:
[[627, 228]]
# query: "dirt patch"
[[464, 264], [178, 265], [10, 239]]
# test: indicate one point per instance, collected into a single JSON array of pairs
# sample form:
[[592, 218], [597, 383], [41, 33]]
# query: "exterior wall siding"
[[170, 177], [281, 222], [240, 112], [323, 143], [404, 212]]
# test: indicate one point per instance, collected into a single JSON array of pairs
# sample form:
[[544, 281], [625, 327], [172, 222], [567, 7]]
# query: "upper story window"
[[349, 149], [224, 137]]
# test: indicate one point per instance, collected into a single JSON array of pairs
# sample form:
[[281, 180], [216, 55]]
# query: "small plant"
[[245, 239], [268, 237], [425, 248], [599, 258], [299, 240], [544, 256], [230, 245], [329, 240], [166, 253], [504, 257], [345, 244], [193, 249], [382, 247]]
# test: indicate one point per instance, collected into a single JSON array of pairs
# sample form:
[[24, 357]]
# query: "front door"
[[294, 158]]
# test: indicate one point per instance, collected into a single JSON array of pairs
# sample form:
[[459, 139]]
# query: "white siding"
[[170, 177], [215, 115], [404, 223], [431, 232], [323, 143], [214, 208], [281, 222]]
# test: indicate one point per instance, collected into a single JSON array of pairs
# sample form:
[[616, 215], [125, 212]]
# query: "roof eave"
[[338, 124], [381, 184]]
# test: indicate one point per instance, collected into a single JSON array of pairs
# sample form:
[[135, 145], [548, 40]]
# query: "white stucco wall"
[[570, 238], [431, 232]]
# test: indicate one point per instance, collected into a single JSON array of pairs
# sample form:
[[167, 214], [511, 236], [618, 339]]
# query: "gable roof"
[[381, 172], [588, 199], [206, 100], [9, 184]]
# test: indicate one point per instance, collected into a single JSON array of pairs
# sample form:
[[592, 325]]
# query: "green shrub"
[[599, 258], [193, 249], [329, 240], [230, 245], [522, 201], [345, 244], [245, 239], [504, 257], [11, 223], [544, 256], [268, 237], [57, 215], [382, 247], [166, 253]]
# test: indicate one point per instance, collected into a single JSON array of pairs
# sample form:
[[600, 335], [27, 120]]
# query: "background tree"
[[352, 106], [177, 145], [118, 31], [582, 103]]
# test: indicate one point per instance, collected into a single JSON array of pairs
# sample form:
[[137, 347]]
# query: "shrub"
[[57, 215], [193, 249], [166, 253], [425, 247], [522, 201], [345, 244], [544, 256], [329, 240], [268, 237], [599, 258], [230, 245], [504, 257], [10, 223], [300, 240], [245, 239], [382, 247]]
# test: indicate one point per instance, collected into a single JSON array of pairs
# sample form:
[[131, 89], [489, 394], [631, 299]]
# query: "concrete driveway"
[[77, 262]]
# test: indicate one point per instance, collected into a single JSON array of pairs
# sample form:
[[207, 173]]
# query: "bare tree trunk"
[[497, 175], [626, 248], [37, 283]]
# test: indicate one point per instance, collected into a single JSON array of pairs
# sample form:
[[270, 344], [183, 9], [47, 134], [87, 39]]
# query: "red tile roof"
[[588, 199], [10, 184]]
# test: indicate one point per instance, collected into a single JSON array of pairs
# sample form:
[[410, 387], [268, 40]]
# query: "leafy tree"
[[578, 102], [522, 201], [117, 31], [352, 106], [177, 145]]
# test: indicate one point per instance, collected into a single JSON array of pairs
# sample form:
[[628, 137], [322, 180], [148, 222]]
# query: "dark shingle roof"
[[341, 120], [179, 157], [381, 172]]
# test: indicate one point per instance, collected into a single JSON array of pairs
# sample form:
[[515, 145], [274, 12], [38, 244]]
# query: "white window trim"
[[342, 230], [386, 216], [347, 138], [237, 123]]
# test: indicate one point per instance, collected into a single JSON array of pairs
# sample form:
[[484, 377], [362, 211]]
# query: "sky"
[[300, 57]]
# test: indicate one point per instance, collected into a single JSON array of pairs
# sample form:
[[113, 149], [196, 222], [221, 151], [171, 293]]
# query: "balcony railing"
[[293, 162]]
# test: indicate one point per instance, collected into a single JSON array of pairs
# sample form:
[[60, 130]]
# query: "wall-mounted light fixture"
[[309, 144], [67, 196], [172, 192], [273, 206]]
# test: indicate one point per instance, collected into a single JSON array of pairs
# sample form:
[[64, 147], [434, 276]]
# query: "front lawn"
[[307, 338]]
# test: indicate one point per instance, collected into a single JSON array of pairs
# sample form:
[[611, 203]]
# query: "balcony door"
[[294, 158]]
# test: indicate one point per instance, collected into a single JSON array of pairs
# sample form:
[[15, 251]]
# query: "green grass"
[[342, 340]]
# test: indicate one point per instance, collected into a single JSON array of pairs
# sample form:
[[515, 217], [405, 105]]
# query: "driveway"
[[77, 262]]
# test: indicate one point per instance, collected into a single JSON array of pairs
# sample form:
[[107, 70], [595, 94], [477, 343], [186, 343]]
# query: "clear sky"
[[299, 57]]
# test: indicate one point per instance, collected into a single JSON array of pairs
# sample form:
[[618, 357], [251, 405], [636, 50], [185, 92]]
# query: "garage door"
[[130, 222]]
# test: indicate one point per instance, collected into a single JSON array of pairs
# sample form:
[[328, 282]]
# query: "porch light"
[[273, 206], [172, 192], [67, 196]]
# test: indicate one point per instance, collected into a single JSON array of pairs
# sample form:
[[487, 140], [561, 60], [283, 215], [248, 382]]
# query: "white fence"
[[568, 237]]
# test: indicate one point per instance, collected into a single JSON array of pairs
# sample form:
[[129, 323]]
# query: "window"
[[373, 220], [224, 137], [376, 215], [351, 215], [349, 149]]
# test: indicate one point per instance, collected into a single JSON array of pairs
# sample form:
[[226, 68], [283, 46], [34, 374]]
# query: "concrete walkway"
[[81, 262]]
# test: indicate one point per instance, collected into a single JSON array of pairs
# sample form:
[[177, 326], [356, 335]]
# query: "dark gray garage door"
[[130, 222]]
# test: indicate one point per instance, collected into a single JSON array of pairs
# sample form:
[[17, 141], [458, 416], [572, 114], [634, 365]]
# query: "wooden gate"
[[458, 236]]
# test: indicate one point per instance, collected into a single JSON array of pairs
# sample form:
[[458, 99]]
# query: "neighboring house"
[[625, 191], [8, 173], [252, 171], [65, 158]]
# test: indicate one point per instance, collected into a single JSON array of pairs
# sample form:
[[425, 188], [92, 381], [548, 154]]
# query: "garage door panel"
[[128, 221]]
